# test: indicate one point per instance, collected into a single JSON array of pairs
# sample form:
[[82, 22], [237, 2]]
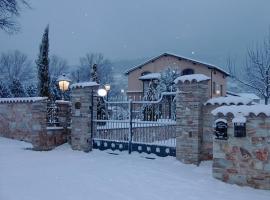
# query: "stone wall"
[[25, 119], [207, 136], [245, 160], [64, 117]]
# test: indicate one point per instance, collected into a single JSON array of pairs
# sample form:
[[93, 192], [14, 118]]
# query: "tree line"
[[21, 77]]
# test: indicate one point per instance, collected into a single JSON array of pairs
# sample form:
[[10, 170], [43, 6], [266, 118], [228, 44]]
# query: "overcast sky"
[[128, 29]]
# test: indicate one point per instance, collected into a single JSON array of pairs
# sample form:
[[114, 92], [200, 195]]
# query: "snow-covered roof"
[[245, 110], [150, 76], [211, 66], [83, 84], [230, 100], [192, 77], [249, 95], [22, 99], [63, 77]]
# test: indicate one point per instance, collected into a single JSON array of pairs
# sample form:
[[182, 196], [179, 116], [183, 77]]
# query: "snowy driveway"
[[63, 174]]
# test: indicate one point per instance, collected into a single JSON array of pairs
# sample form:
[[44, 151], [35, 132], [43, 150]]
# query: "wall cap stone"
[[229, 101], [245, 110], [192, 78], [83, 84], [22, 100]]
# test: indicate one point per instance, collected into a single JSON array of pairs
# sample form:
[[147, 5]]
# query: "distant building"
[[140, 76]]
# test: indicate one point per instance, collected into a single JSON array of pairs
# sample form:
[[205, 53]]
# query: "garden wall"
[[25, 119], [245, 160]]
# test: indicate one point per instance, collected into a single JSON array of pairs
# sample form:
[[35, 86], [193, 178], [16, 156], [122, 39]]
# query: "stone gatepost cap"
[[191, 78], [84, 84]]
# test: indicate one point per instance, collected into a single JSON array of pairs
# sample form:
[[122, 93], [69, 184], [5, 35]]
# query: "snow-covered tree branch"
[[256, 73], [9, 11]]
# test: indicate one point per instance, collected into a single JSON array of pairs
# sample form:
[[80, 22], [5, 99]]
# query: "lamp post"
[[107, 88], [63, 83]]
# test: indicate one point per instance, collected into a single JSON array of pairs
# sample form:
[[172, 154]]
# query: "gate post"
[[193, 91], [84, 110]]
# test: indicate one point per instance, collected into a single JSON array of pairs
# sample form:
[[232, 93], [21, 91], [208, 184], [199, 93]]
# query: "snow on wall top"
[[249, 95], [192, 77], [22, 99], [230, 100], [244, 110], [83, 84], [150, 76]]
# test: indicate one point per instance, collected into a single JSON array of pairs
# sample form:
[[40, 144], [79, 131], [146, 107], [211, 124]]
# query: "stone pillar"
[[192, 94], [82, 113]]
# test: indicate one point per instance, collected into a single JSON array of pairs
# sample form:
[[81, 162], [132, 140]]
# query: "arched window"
[[187, 72]]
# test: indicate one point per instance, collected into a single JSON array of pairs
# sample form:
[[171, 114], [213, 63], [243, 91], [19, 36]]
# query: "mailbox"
[[221, 129]]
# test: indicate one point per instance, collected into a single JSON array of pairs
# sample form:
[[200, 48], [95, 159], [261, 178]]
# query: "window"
[[187, 72], [214, 88], [221, 90]]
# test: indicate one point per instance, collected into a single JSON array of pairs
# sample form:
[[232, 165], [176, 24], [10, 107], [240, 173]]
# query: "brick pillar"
[[82, 113], [189, 103]]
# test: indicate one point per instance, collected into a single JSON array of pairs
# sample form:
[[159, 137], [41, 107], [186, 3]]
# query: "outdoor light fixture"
[[107, 87], [102, 92], [63, 82]]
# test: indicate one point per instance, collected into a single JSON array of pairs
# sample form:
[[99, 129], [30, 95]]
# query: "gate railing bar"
[[169, 122], [130, 128]]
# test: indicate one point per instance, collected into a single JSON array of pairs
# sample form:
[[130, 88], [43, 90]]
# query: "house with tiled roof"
[[140, 76]]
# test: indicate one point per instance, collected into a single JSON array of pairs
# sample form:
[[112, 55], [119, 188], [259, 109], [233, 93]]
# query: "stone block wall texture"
[[244, 161], [64, 117], [189, 129], [207, 136], [27, 121], [82, 113]]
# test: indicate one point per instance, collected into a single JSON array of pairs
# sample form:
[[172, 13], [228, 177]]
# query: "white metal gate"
[[142, 126]]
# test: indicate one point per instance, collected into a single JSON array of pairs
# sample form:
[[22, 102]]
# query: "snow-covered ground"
[[63, 174]]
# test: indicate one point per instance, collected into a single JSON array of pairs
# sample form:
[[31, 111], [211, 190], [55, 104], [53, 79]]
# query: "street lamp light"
[[63, 82], [102, 92], [107, 88]]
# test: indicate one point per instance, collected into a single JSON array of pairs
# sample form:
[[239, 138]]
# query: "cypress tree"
[[94, 74], [43, 66]]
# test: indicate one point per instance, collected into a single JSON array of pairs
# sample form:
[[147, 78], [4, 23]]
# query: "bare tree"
[[9, 11], [104, 68], [256, 72], [16, 65], [58, 66]]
